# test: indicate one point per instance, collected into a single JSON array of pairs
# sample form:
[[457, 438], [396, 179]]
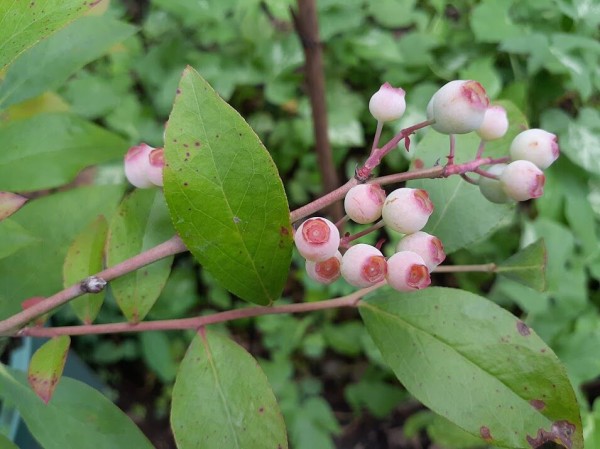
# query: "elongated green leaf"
[[48, 150], [47, 65], [77, 414], [10, 203], [84, 258], [527, 267], [475, 364], [13, 237], [221, 399], [141, 222], [46, 366], [224, 194]]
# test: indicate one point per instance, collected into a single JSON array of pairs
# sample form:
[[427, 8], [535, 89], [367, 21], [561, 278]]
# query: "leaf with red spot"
[[10, 203], [46, 366]]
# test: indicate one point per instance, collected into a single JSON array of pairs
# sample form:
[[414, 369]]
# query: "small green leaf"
[[13, 237], [491, 22], [224, 194], [46, 366], [156, 350], [141, 222], [48, 150], [475, 364], [527, 267], [84, 258], [221, 399], [10, 203]]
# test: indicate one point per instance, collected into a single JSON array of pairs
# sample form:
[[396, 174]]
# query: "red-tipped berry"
[[495, 123], [407, 210], [537, 146], [459, 107], [491, 188], [363, 265], [387, 103], [428, 246], [155, 169], [326, 271], [407, 271], [522, 180], [363, 203], [137, 163], [317, 239]]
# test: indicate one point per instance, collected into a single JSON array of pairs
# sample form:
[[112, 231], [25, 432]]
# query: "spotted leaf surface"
[[46, 366]]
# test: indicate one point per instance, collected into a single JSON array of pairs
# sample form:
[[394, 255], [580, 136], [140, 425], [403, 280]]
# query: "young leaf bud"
[[137, 162], [495, 123], [407, 210], [317, 239], [459, 107], [522, 180], [428, 246], [387, 103], [363, 203], [492, 189], [537, 146], [155, 169], [407, 271], [363, 265], [326, 271]]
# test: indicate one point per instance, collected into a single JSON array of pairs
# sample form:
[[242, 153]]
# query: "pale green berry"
[[387, 103], [491, 188], [495, 123], [537, 146]]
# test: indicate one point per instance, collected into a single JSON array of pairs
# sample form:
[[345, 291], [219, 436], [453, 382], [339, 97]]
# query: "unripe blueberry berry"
[[155, 169], [407, 210], [428, 246], [407, 271], [459, 107], [317, 239], [492, 189], [363, 203], [363, 265], [522, 180], [137, 162], [495, 123], [537, 146], [326, 271], [387, 103]]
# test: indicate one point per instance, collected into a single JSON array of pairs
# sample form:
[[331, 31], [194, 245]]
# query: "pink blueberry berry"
[[363, 203], [407, 210], [407, 271], [326, 271], [387, 103], [428, 246], [537, 146], [495, 123], [317, 239], [522, 180], [137, 162], [491, 188], [155, 169], [459, 107], [363, 265]]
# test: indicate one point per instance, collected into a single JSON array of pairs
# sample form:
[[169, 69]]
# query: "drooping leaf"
[[475, 364], [48, 150], [22, 24], [84, 258], [141, 222], [47, 65], [528, 266], [10, 203], [221, 399], [46, 366], [224, 194], [77, 413], [13, 237]]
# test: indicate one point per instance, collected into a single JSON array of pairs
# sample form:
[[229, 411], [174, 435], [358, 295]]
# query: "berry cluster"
[[144, 166]]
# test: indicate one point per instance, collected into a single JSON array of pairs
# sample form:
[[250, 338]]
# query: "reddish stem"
[[347, 239]]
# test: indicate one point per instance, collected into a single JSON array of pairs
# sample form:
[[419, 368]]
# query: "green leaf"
[[84, 258], [474, 363], [49, 64], [221, 399], [224, 194], [5, 443], [46, 366], [141, 222], [22, 24], [48, 150], [527, 267], [10, 203], [77, 413], [13, 237], [491, 22], [157, 353]]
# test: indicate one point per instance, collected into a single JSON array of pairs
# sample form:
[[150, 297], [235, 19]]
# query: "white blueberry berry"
[[407, 210], [522, 180], [459, 107], [363, 203], [537, 146], [327, 271], [428, 246], [407, 271], [155, 169], [363, 265], [387, 103], [137, 163], [317, 239], [495, 123], [491, 188]]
